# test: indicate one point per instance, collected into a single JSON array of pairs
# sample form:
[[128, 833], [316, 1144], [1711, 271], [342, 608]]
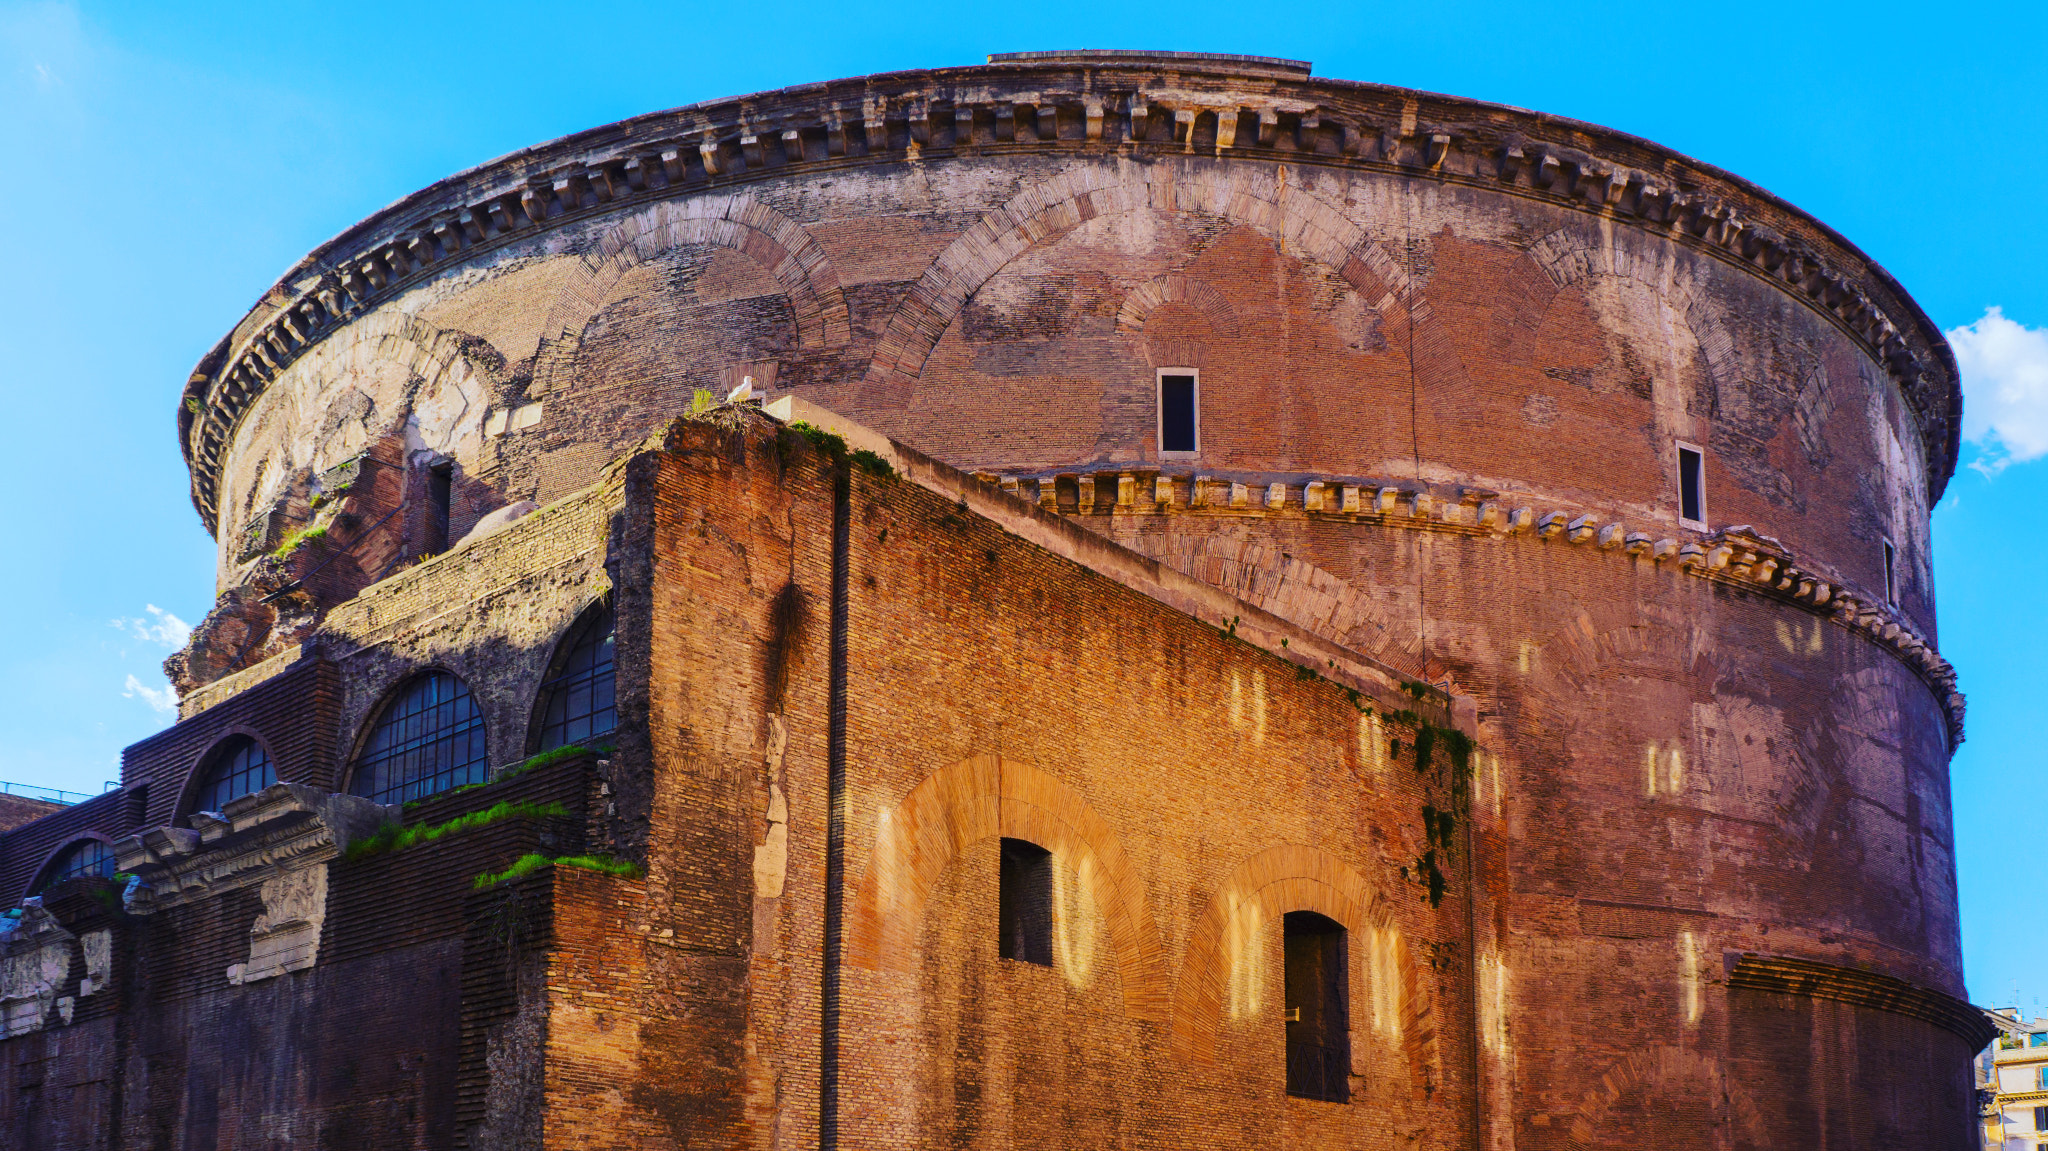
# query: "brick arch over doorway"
[[1295, 877], [984, 797]]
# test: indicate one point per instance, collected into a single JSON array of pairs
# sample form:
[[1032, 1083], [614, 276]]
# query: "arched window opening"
[[1024, 903], [240, 768], [576, 702], [429, 739], [84, 858], [1318, 1010]]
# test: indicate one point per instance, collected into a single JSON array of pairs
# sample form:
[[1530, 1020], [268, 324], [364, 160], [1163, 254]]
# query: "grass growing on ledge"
[[551, 756], [528, 864], [394, 837], [299, 538], [554, 756]]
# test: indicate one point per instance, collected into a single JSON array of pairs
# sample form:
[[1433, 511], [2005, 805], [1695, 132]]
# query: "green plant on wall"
[[298, 538], [1443, 758], [393, 837], [528, 864]]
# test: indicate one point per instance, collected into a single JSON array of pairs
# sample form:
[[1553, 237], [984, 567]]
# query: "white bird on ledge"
[[743, 393]]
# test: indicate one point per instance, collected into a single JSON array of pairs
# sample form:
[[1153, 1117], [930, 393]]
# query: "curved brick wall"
[[1446, 350]]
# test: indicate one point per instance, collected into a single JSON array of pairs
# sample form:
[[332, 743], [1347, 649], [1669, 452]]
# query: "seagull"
[[743, 393]]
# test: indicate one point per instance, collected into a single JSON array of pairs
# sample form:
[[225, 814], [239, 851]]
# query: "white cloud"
[[160, 628], [164, 699], [2005, 389]]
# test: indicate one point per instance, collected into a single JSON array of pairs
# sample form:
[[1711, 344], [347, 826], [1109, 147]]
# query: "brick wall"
[[1123, 727], [292, 715], [1009, 673], [365, 1050]]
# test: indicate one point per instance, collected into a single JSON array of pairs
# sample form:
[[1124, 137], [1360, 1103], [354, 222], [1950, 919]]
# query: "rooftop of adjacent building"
[[25, 802], [2019, 1039]]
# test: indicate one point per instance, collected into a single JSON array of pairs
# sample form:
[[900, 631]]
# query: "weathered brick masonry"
[[1629, 798]]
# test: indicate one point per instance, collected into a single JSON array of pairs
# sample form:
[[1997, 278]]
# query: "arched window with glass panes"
[[428, 738], [240, 767], [87, 857], [576, 704]]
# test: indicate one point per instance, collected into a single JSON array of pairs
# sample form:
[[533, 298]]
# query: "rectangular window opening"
[[1692, 487], [440, 480], [2041, 1118], [1318, 1009], [1024, 903], [1891, 577], [1180, 417]]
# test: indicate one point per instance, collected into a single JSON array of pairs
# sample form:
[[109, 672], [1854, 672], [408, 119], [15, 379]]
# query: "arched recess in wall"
[[1215, 319], [1175, 288], [1262, 198], [1294, 877], [986, 797], [742, 223]]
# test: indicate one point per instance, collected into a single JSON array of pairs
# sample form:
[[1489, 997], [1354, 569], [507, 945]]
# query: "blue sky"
[[163, 164]]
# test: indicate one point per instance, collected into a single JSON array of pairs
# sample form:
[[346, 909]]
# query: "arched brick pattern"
[[980, 798], [1572, 255], [1261, 198], [741, 223], [1575, 656], [1286, 585], [467, 366], [1663, 1070], [393, 337], [1293, 877], [1175, 289]]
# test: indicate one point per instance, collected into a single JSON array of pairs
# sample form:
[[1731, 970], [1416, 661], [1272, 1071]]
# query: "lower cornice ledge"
[[1784, 975]]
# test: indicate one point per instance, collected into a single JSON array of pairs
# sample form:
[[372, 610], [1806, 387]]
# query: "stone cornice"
[[251, 840], [1738, 556], [1079, 105], [1784, 975]]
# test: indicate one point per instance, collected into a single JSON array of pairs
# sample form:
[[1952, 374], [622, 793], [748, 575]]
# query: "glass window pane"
[[239, 768], [576, 704], [430, 738], [87, 857]]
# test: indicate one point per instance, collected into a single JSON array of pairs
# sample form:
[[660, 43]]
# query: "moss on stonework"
[[1448, 799], [528, 864], [396, 837]]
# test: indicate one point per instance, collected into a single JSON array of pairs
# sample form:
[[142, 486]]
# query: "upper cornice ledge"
[[1078, 102]]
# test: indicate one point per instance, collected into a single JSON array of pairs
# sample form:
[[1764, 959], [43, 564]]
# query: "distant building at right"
[[2012, 1083]]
